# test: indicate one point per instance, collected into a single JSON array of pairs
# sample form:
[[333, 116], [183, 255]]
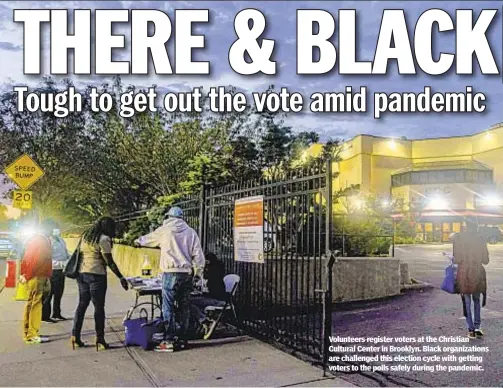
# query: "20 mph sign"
[[22, 199], [24, 172]]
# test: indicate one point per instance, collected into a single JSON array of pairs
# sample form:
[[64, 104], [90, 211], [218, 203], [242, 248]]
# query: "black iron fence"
[[281, 299], [287, 298]]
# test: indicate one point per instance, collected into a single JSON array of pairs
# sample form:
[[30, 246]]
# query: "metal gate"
[[288, 298]]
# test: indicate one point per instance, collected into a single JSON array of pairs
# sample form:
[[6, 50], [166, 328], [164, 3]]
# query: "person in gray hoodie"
[[60, 257], [181, 258]]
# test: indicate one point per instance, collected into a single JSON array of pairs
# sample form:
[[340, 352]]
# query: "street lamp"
[[493, 201], [437, 202]]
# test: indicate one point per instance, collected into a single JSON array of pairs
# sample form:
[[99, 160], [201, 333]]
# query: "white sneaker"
[[36, 340], [165, 347]]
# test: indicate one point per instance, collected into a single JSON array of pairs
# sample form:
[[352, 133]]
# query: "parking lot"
[[430, 312]]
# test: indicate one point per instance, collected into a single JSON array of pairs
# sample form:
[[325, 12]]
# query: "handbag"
[[449, 283], [72, 266]]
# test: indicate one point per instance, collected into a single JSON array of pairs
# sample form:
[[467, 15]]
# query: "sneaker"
[[36, 340], [181, 345], [471, 334], [165, 347], [479, 333], [48, 320]]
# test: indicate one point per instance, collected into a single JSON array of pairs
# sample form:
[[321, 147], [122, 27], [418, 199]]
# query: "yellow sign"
[[24, 172], [22, 199]]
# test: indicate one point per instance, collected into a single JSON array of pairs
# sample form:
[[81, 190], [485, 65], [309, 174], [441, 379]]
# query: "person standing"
[[471, 254], [181, 258], [60, 257], [36, 270], [96, 256]]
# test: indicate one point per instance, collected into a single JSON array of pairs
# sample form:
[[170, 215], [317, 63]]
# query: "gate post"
[[202, 216], [330, 259]]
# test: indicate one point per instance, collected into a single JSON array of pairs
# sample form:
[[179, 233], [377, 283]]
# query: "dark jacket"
[[471, 254], [214, 272]]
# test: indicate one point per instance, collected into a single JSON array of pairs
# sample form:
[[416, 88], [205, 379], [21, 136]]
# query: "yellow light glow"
[[392, 144], [359, 203], [493, 200], [437, 203], [12, 212]]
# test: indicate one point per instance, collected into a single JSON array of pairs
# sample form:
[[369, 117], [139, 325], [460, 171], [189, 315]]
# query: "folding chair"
[[231, 282]]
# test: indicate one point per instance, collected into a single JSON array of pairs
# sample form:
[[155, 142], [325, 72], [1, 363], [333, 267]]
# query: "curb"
[[416, 285]]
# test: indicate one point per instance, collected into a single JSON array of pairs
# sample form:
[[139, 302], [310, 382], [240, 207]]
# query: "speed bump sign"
[[24, 172], [22, 199]]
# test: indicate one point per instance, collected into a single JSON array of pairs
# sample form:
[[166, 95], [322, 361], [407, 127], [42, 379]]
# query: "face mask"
[[56, 232]]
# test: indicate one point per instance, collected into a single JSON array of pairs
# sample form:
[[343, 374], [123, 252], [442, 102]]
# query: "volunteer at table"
[[181, 257]]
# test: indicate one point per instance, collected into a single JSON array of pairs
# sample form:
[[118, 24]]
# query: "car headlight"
[[27, 232]]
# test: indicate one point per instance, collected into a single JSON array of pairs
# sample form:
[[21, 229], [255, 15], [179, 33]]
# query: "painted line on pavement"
[[138, 360]]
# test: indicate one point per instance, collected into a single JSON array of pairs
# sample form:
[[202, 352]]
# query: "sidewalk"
[[238, 361]]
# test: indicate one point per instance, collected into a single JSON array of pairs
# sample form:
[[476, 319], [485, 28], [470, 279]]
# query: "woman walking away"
[[470, 253], [96, 251]]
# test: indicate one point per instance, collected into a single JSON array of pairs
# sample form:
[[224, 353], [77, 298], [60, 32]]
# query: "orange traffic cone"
[[10, 274]]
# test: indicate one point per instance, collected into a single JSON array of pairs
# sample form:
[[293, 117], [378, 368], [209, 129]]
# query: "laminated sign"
[[249, 229]]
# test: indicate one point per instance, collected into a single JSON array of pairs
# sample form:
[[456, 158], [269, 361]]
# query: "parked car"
[[492, 234], [6, 244]]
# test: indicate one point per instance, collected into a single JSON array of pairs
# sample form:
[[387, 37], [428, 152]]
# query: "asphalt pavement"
[[429, 312]]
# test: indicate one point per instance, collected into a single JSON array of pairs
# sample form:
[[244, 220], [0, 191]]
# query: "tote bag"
[[72, 267], [449, 283], [133, 332]]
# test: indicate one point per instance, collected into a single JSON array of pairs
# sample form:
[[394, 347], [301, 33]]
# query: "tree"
[[99, 163]]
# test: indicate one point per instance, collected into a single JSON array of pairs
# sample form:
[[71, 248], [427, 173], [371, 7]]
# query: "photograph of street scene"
[[237, 193]]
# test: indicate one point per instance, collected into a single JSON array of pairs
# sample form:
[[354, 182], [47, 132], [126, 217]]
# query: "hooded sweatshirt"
[[60, 254], [37, 258], [180, 246]]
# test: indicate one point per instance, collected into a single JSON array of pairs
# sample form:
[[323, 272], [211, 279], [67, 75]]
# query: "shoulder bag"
[[72, 266]]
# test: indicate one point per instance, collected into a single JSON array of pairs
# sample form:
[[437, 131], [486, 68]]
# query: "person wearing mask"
[[96, 256], [471, 254], [60, 257], [181, 258], [36, 270]]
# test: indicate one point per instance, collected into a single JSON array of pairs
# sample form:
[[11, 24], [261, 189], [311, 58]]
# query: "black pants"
[[93, 288], [57, 289]]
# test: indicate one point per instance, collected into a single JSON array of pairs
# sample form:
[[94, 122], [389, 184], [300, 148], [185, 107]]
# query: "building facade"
[[438, 181]]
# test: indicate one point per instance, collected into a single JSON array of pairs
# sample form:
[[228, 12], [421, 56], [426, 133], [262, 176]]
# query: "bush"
[[404, 240], [362, 237]]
